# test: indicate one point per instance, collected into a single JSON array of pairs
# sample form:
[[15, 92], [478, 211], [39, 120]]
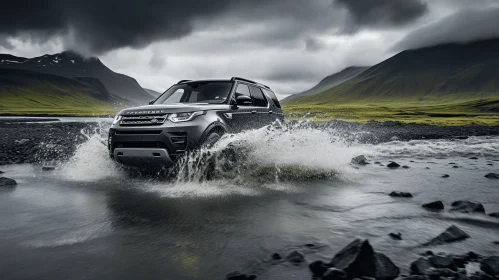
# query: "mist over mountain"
[[70, 64], [443, 73]]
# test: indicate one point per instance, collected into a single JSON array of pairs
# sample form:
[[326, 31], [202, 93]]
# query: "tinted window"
[[271, 94], [242, 89], [258, 98]]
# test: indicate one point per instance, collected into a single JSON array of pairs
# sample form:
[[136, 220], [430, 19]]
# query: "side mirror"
[[244, 100], [152, 101]]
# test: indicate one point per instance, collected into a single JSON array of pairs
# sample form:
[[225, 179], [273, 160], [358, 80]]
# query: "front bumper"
[[141, 157]]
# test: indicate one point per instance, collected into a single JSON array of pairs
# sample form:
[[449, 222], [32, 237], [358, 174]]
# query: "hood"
[[174, 108]]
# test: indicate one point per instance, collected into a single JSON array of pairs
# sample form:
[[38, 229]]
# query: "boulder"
[[435, 205], [396, 236], [492, 176], [490, 266], [295, 258], [334, 274], [420, 266], [451, 234], [400, 194], [358, 259], [359, 160], [318, 268], [494, 214], [393, 164], [7, 182], [464, 206], [442, 261]]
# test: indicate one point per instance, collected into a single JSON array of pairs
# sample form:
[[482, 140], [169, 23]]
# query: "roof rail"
[[249, 81], [183, 81]]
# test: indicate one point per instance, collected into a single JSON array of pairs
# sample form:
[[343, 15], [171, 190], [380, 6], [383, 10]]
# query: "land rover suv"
[[188, 115]]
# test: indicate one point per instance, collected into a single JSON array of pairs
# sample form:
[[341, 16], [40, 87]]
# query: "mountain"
[[23, 91], [70, 64], [439, 74], [331, 81], [154, 93]]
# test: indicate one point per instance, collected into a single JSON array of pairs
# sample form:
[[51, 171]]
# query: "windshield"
[[215, 92]]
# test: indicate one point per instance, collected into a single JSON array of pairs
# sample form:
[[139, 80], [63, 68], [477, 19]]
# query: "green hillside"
[[31, 93], [435, 75]]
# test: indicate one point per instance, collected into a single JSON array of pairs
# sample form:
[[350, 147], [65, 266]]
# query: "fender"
[[213, 126]]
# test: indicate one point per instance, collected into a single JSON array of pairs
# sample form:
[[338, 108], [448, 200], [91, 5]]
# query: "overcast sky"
[[289, 45]]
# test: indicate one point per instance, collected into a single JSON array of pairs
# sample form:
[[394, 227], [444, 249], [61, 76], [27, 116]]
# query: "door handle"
[[270, 112], [253, 112]]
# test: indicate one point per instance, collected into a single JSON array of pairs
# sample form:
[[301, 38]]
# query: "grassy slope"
[[448, 80], [31, 93]]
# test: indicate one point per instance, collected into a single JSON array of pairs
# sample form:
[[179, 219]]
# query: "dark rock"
[[276, 256], [396, 236], [451, 234], [411, 161], [7, 182], [459, 261], [472, 256], [442, 261], [438, 273], [435, 205], [480, 275], [427, 167], [473, 158], [359, 160], [47, 168], [445, 176], [295, 258], [492, 176], [455, 166], [1, 172], [405, 166], [413, 277], [495, 242], [358, 259], [400, 194], [490, 266], [464, 206], [236, 275], [377, 162], [393, 164], [428, 253], [420, 266], [334, 274], [494, 214], [318, 268]]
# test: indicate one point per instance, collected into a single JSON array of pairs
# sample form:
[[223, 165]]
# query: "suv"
[[188, 115]]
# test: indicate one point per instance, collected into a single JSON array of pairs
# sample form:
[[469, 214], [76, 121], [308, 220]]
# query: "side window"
[[271, 94], [243, 90], [258, 98]]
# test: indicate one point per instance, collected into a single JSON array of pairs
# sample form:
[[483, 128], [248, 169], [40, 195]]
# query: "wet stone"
[[465, 206], [451, 234], [318, 268], [7, 182], [420, 266], [359, 160], [445, 176], [276, 256], [393, 164], [400, 194], [494, 214], [435, 205], [295, 258], [334, 274], [492, 176], [395, 236], [490, 265]]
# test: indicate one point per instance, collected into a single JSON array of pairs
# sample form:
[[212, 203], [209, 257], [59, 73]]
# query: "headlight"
[[184, 117], [117, 119]]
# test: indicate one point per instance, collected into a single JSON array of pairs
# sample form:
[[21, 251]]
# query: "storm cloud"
[[381, 13], [461, 27]]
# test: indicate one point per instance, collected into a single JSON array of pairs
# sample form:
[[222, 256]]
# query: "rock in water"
[[405, 166], [360, 160], [494, 214], [318, 268], [445, 176], [492, 176], [393, 164], [334, 274], [7, 182], [464, 206], [400, 194], [276, 256], [396, 236], [1, 172], [451, 234], [358, 259], [490, 266], [295, 258], [435, 205], [442, 261], [420, 266], [236, 275], [48, 168]]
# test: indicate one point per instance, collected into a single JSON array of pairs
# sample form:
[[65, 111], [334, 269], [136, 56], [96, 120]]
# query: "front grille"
[[143, 120]]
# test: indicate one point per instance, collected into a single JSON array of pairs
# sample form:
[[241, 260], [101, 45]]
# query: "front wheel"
[[211, 139]]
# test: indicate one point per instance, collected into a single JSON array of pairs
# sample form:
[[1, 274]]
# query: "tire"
[[211, 139]]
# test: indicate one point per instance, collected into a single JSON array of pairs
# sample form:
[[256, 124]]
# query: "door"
[[242, 116], [263, 114]]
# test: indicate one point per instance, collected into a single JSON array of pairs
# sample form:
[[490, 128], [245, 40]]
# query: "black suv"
[[188, 115]]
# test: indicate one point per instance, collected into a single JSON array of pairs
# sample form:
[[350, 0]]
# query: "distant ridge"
[[70, 64], [331, 81], [439, 74]]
